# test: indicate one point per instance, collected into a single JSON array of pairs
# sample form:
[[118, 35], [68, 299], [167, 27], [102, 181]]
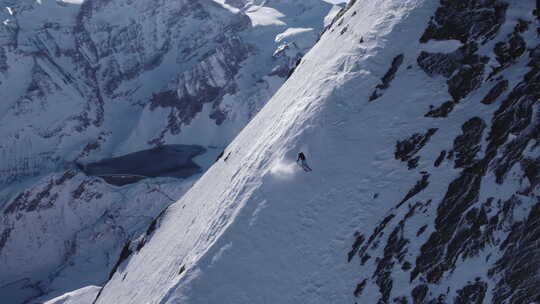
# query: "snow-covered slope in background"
[[82, 81], [166, 67], [424, 145]]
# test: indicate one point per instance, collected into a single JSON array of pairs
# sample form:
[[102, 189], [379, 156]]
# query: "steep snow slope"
[[81, 81], [264, 231], [427, 137]]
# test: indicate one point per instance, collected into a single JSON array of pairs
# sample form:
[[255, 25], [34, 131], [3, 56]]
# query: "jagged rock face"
[[466, 20], [387, 78], [474, 231]]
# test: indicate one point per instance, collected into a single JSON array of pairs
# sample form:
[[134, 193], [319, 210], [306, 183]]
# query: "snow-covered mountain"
[[84, 81], [166, 67], [420, 120]]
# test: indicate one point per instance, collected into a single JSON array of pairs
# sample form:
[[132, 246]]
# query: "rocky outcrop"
[[495, 92], [463, 67], [466, 20], [467, 145], [387, 78], [473, 293], [472, 222], [517, 270], [442, 111], [408, 148]]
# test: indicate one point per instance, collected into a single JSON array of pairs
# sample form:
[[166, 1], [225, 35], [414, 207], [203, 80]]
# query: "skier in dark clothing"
[[301, 160]]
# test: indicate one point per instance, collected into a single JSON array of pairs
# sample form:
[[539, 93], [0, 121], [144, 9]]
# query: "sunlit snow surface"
[[258, 229], [267, 232]]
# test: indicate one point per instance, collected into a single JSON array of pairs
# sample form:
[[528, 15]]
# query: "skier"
[[302, 162]]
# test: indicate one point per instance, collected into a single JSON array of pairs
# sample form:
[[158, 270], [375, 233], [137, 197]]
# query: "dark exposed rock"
[[531, 167], [442, 111], [495, 92], [140, 245], [4, 236], [3, 60], [511, 49], [433, 259], [468, 79], [522, 26], [515, 116], [413, 162], [467, 144], [154, 224], [466, 227], [391, 73], [182, 269], [150, 230], [376, 234], [388, 77], [406, 149], [291, 71], [29, 200], [356, 246], [465, 20], [441, 299], [538, 9], [84, 191], [338, 18], [394, 251], [165, 99], [439, 63], [517, 269], [419, 294], [124, 255], [465, 68], [360, 288], [440, 159], [69, 174], [421, 230], [473, 293], [406, 266], [418, 187], [365, 258], [440, 252]]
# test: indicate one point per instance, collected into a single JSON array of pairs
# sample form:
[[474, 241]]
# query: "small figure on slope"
[[302, 162]]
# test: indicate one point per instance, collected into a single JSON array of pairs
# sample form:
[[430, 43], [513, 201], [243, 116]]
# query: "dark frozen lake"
[[165, 161]]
